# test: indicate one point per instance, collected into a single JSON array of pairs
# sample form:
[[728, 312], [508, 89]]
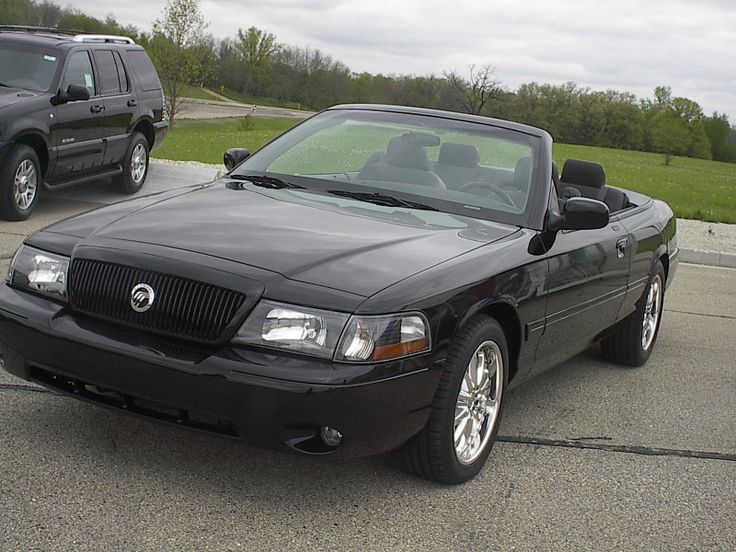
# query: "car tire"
[[135, 166], [632, 342], [434, 453], [20, 183]]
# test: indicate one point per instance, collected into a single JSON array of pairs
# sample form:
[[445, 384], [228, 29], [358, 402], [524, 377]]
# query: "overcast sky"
[[632, 45]]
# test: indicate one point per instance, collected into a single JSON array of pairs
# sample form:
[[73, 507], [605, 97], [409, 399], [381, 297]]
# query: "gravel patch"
[[706, 236]]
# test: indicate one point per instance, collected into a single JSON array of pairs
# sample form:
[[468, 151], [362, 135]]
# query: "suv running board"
[[78, 180]]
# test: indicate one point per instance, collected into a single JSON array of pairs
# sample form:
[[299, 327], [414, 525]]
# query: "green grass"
[[257, 100], [189, 91], [206, 141], [694, 188]]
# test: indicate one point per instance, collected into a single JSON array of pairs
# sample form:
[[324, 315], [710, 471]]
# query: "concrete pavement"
[[627, 458]]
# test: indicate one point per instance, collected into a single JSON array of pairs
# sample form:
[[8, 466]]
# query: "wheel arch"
[[145, 127], [503, 310], [38, 144]]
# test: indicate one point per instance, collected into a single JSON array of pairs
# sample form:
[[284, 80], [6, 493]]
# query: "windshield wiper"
[[266, 181], [382, 199]]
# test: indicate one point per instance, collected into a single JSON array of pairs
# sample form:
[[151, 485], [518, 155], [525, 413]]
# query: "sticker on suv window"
[[49, 58]]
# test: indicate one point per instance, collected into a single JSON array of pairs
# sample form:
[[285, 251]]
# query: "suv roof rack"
[[103, 38]]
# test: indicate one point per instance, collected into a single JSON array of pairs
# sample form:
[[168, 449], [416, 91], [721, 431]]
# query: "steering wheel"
[[482, 188]]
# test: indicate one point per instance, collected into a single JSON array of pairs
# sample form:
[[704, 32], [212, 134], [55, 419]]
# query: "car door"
[[586, 286], [118, 102], [76, 135]]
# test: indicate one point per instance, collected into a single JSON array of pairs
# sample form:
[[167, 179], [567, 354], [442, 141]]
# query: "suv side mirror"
[[580, 213], [74, 93], [234, 157]]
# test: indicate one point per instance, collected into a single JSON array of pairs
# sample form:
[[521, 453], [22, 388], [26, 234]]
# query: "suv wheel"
[[135, 166], [20, 179]]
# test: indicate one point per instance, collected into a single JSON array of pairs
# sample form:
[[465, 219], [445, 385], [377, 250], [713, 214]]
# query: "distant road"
[[206, 109]]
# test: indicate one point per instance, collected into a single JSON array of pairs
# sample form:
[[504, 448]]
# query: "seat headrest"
[[401, 153], [523, 169], [583, 173], [459, 155]]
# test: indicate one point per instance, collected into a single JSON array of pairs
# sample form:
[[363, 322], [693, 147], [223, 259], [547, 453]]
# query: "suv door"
[[119, 104], [76, 136]]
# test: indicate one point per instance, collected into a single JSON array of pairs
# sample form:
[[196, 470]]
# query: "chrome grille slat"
[[183, 308]]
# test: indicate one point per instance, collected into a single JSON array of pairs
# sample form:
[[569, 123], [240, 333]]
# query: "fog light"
[[330, 436]]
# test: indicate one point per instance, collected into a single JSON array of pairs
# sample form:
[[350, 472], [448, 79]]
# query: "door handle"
[[132, 103], [97, 108], [621, 247]]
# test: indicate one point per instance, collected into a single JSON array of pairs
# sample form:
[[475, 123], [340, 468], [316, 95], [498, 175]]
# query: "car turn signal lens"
[[380, 338]]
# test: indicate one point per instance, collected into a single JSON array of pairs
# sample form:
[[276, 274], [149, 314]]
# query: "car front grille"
[[182, 308]]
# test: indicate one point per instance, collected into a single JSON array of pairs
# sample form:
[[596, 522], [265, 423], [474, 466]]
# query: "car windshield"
[[407, 160], [27, 67]]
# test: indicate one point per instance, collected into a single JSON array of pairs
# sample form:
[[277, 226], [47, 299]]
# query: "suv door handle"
[[97, 108], [621, 247], [132, 103]]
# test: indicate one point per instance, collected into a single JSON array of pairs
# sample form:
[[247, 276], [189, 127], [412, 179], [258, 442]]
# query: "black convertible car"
[[376, 277]]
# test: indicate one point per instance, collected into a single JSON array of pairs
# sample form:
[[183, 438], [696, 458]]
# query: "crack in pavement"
[[728, 317], [578, 442], [629, 449]]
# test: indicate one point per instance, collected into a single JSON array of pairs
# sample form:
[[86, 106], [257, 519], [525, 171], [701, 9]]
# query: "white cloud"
[[630, 45]]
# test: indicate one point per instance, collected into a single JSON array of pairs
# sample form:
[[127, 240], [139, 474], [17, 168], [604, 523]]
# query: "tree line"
[[255, 63]]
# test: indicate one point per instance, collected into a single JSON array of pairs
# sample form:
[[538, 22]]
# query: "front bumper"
[[376, 407]]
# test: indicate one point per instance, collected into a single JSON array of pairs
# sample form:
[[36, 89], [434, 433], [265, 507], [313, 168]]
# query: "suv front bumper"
[[376, 407]]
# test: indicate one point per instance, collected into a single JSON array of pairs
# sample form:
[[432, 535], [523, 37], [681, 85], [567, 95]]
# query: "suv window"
[[79, 72], [109, 81], [122, 75], [142, 65]]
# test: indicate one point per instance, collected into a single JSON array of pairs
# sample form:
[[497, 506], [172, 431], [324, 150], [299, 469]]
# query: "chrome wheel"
[[478, 402], [138, 163], [651, 313], [25, 184]]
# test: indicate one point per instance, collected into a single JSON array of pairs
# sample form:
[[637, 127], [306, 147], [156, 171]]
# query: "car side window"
[[79, 72], [108, 72], [122, 75]]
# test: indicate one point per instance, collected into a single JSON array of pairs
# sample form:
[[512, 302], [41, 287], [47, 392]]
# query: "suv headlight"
[[39, 271], [329, 334]]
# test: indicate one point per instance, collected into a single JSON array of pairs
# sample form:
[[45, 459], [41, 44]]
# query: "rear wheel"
[[455, 443], [632, 342], [20, 180], [135, 166]]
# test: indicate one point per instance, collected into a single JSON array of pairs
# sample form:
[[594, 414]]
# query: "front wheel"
[[455, 443], [20, 180], [633, 340], [135, 166]]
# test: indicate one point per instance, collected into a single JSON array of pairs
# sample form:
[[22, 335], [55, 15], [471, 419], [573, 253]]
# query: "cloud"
[[624, 44]]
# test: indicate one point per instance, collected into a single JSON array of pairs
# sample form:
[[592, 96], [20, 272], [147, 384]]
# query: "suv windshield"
[[460, 167], [27, 67]]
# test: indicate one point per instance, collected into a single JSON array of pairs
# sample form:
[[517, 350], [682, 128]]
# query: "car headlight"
[[329, 334], [39, 271], [300, 329], [380, 338]]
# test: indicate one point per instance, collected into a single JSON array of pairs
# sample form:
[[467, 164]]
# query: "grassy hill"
[[694, 188]]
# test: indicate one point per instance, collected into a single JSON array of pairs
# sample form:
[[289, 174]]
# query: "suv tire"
[[20, 183], [135, 166]]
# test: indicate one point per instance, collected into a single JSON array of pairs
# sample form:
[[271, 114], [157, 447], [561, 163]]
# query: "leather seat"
[[458, 164], [589, 179], [405, 161]]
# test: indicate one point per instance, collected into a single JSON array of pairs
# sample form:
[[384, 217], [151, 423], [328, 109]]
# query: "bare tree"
[[475, 93], [178, 46]]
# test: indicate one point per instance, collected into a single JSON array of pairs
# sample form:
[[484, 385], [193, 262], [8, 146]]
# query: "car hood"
[[338, 243], [14, 96]]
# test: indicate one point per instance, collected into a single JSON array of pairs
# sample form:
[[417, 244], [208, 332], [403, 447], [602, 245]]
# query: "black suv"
[[73, 108]]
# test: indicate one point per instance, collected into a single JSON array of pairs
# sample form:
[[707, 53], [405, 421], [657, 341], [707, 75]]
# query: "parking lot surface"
[[591, 456]]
